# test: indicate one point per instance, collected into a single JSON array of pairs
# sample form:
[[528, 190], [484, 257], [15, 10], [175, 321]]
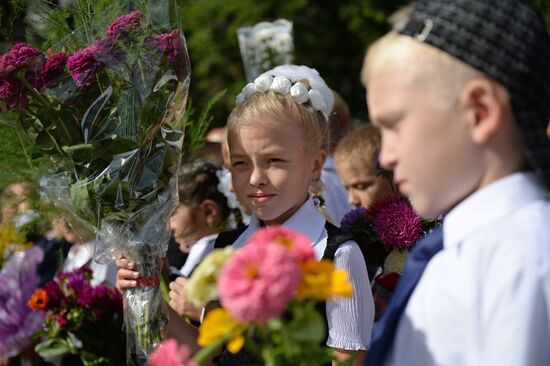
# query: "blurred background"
[[329, 35]]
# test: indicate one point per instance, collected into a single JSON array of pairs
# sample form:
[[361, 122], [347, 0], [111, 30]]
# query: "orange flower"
[[39, 300]]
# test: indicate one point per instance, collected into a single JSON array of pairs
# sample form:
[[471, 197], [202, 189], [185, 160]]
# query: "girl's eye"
[[274, 160], [237, 163]]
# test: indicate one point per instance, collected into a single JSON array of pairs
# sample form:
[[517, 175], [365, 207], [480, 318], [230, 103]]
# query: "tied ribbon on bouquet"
[[269, 291], [106, 108]]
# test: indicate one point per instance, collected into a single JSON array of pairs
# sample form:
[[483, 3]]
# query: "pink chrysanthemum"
[[258, 282], [297, 244], [12, 92], [397, 225], [84, 64], [169, 353], [374, 209], [170, 43], [53, 69], [123, 25], [20, 55]]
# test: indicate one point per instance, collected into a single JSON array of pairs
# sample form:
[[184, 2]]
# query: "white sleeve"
[[350, 320]]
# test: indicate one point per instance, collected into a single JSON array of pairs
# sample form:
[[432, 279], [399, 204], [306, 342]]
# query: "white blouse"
[[350, 320], [198, 251]]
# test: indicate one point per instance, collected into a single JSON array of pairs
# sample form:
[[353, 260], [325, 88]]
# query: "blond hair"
[[421, 64], [359, 147], [283, 109]]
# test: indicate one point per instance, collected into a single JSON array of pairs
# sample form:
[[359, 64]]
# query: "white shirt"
[[81, 254], [334, 194], [198, 251], [350, 320], [485, 298]]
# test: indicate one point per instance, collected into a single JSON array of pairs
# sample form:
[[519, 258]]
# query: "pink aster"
[[124, 24], [297, 244], [54, 67], [258, 281], [397, 225], [170, 43], [20, 55], [169, 353]]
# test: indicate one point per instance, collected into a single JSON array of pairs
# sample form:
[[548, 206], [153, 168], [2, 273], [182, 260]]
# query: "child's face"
[[363, 186], [271, 169], [185, 227], [428, 147]]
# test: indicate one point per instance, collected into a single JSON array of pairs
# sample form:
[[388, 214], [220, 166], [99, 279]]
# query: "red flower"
[[39, 301]]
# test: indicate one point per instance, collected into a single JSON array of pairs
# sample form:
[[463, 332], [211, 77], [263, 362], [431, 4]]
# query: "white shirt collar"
[[307, 221], [489, 204]]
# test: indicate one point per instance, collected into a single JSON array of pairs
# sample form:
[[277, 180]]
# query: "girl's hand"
[[126, 276], [178, 300]]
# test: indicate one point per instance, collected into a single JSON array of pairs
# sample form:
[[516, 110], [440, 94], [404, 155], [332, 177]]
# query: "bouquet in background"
[[11, 241], [269, 291], [18, 281], [265, 46], [106, 107], [80, 319], [385, 232]]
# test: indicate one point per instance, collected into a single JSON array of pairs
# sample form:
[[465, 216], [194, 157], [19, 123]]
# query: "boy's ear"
[[486, 103], [211, 211]]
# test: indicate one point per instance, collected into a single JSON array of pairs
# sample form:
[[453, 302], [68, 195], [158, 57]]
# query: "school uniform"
[[484, 299], [198, 251], [349, 320], [83, 254]]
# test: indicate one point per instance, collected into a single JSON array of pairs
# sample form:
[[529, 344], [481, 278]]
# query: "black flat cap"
[[507, 41]]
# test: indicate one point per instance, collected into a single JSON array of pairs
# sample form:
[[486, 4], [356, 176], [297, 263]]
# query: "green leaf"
[[307, 326], [52, 347], [81, 200]]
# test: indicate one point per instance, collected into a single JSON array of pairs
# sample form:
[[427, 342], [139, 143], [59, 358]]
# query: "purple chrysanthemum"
[[12, 92], [397, 225], [81, 288], [20, 55], [18, 281], [351, 218], [55, 295], [124, 24], [53, 68], [170, 43]]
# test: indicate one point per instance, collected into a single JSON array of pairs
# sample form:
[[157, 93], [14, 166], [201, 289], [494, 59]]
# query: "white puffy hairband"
[[281, 80]]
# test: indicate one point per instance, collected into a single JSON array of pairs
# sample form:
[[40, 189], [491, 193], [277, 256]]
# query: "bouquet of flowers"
[[269, 291], [265, 46], [18, 281], [386, 231], [80, 319], [106, 108]]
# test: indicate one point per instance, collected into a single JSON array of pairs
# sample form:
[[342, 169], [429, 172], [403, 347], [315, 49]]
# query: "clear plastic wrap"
[[106, 107]]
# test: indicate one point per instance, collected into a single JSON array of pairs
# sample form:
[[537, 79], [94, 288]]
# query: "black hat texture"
[[507, 41]]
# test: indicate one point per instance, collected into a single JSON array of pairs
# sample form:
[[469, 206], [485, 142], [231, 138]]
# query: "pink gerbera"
[[258, 281], [397, 225], [297, 244]]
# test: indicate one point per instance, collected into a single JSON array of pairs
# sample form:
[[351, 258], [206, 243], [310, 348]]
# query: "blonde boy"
[[356, 159], [461, 98]]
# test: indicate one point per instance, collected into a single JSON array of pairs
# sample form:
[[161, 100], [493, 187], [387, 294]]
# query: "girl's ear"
[[318, 162], [211, 211]]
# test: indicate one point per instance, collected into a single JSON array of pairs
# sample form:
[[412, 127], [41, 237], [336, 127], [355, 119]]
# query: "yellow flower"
[[11, 241], [219, 324], [321, 281], [202, 286]]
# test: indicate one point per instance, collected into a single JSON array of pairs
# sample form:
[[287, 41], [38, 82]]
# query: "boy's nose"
[[387, 156], [352, 199], [257, 177]]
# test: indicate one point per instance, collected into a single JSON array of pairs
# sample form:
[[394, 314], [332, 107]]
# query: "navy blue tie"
[[384, 332]]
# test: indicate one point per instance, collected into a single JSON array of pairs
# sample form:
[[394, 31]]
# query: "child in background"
[[278, 138], [356, 160]]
